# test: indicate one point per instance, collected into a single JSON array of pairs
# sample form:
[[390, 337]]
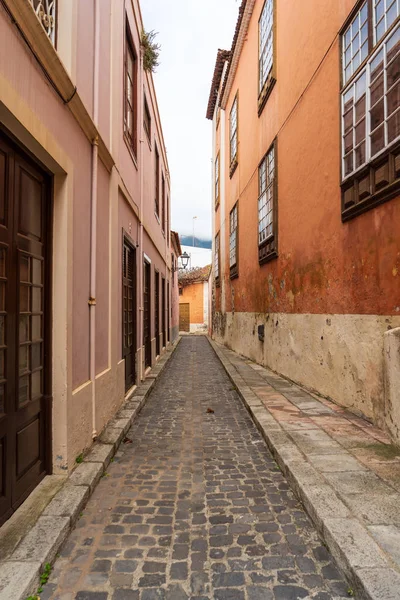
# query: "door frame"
[[126, 239], [47, 398]]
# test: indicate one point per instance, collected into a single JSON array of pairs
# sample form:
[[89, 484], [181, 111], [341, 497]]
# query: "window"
[[370, 106], [146, 118], [217, 171], [233, 136], [163, 214], [217, 259], [267, 221], [167, 219], [157, 183], [385, 14], [233, 242], [130, 104], [46, 12], [265, 53]]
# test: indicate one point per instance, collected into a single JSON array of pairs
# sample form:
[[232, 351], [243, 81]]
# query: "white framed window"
[[266, 180], [233, 131], [216, 257], [233, 228], [265, 43], [355, 42], [371, 106], [216, 180], [385, 12]]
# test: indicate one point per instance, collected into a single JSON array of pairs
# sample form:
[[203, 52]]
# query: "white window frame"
[[233, 227], [265, 44], [216, 256], [387, 5], [266, 197], [233, 130], [367, 71]]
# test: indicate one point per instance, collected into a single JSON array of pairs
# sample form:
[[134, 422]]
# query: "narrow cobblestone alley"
[[194, 506]]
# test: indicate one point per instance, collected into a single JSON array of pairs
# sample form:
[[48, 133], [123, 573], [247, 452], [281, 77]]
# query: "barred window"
[[233, 132], [130, 104], [266, 175], [266, 40], [217, 172], [216, 258], [233, 241], [370, 105]]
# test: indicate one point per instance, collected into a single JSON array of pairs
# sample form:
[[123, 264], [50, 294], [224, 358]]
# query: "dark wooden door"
[[163, 312], [129, 313], [184, 317], [157, 312], [168, 313], [147, 315], [25, 384]]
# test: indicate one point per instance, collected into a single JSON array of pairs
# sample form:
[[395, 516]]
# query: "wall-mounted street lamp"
[[185, 257]]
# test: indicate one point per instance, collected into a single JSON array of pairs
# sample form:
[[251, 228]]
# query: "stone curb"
[[19, 574], [357, 554]]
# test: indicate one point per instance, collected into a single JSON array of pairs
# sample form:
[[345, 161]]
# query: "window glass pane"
[[36, 271], [24, 268], [36, 328], [24, 328], [377, 114], [36, 382], [364, 51], [393, 44], [23, 389], [393, 99], [377, 140], [393, 71], [377, 90], [360, 132], [391, 15], [379, 10], [36, 299], [360, 108], [354, 37], [24, 298], [348, 164], [394, 126], [36, 356], [380, 29], [377, 65], [23, 359]]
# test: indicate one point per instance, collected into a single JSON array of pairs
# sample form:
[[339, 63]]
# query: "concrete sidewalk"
[[344, 470]]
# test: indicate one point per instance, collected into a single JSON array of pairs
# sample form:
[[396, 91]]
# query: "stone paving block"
[[351, 545], [18, 579], [301, 474], [123, 424], [315, 442], [68, 502], [112, 436], [322, 503], [375, 509], [43, 541], [359, 483], [379, 584], [87, 474], [388, 537], [337, 462], [102, 453]]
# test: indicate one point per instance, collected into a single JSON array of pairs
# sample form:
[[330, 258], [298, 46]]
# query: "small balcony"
[[46, 12]]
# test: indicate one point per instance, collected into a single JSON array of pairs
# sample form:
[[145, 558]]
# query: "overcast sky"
[[190, 33]]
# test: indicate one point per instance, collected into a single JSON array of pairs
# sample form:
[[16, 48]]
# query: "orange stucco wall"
[[324, 266], [194, 294]]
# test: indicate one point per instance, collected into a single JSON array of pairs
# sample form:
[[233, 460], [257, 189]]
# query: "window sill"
[[267, 251], [233, 167], [131, 151], [234, 272], [377, 183], [265, 93]]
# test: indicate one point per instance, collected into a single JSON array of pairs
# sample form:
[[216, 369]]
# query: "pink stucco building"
[[85, 246]]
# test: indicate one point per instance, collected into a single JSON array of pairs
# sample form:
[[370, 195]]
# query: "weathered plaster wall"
[[339, 356], [392, 381], [194, 294]]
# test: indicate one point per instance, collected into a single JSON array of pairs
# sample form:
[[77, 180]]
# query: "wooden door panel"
[[24, 325], [147, 314], [129, 314], [184, 317]]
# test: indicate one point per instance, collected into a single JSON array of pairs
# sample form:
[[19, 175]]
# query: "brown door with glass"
[[129, 312], [157, 311], [147, 314], [25, 384], [163, 315]]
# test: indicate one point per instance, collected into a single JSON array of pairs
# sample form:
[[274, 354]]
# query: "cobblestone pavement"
[[195, 507]]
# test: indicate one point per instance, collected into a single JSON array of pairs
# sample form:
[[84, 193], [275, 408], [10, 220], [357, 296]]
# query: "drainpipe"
[[141, 257], [93, 219]]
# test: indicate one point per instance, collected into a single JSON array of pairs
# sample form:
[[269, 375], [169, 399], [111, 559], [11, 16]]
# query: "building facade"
[[193, 300], [176, 252], [85, 230], [305, 110]]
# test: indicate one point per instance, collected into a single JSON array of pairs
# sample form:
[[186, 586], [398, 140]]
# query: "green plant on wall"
[[151, 50]]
